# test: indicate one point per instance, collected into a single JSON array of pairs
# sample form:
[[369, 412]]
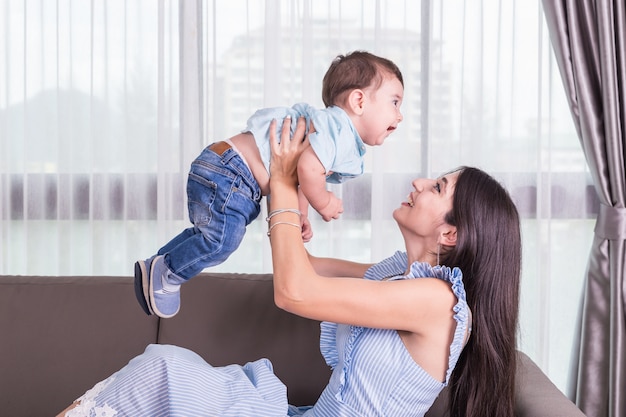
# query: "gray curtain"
[[589, 41]]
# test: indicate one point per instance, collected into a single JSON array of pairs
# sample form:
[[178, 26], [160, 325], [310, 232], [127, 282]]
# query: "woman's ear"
[[356, 101], [448, 237]]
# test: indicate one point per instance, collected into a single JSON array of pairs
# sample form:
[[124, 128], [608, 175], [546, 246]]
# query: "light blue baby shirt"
[[336, 142]]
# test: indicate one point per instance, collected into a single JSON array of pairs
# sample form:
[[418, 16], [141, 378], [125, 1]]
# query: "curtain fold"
[[589, 41]]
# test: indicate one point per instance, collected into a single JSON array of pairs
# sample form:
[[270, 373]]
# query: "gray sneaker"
[[142, 293], [164, 298]]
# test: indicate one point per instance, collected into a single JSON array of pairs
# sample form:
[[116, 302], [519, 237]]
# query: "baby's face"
[[381, 113]]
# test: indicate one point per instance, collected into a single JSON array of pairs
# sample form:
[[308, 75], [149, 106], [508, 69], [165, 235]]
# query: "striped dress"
[[373, 374]]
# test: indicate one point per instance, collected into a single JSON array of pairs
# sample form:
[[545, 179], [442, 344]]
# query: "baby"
[[362, 93]]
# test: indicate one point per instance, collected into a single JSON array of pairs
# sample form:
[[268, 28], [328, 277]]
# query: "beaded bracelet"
[[279, 211], [269, 231]]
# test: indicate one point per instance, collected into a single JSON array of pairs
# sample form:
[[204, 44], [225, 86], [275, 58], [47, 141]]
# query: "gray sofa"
[[61, 335]]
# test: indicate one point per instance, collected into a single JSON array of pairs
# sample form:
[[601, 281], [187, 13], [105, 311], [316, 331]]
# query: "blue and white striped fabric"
[[373, 374], [171, 381]]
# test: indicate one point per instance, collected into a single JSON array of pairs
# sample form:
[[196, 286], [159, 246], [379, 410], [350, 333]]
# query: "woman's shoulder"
[[453, 276], [444, 283]]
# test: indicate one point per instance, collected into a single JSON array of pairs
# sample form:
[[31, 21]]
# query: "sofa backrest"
[[61, 335]]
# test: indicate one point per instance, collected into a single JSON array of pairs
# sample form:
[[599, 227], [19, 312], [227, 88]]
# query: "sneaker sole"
[[153, 306], [141, 287]]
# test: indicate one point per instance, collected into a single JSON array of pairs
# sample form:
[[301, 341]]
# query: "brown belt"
[[220, 147]]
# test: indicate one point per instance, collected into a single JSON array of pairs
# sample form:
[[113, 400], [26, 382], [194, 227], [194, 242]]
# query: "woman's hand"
[[285, 155]]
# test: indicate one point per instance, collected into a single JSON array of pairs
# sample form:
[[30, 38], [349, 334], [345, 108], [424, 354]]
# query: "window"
[[103, 105]]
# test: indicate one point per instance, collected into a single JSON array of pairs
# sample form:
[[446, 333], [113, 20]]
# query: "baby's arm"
[[312, 179]]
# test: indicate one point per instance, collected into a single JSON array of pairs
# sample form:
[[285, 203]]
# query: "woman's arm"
[[64, 412], [332, 267], [416, 306]]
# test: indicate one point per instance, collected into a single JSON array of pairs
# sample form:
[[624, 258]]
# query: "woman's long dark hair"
[[488, 252]]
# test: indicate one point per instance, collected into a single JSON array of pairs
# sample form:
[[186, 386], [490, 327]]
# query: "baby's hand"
[[307, 230], [333, 208]]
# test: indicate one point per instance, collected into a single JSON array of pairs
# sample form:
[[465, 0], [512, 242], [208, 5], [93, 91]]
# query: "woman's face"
[[427, 204]]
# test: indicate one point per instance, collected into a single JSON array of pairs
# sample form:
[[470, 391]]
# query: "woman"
[[407, 330]]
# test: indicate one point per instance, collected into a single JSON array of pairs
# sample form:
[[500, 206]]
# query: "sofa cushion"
[[536, 395], [61, 335], [231, 318]]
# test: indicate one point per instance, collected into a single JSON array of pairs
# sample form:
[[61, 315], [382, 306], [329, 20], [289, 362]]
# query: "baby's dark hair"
[[357, 69]]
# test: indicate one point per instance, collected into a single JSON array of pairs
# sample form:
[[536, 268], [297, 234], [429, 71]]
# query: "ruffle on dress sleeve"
[[328, 343], [389, 267], [328, 346], [462, 313], [355, 331]]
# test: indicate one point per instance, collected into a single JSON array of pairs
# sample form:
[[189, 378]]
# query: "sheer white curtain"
[[103, 105], [89, 105]]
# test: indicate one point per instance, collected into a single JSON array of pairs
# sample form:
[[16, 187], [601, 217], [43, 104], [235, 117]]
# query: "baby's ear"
[[356, 101]]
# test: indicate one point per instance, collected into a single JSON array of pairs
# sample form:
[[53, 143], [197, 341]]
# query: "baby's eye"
[[437, 187], [396, 103]]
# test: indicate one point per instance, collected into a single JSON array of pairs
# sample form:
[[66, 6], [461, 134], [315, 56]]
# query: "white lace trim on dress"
[[88, 407]]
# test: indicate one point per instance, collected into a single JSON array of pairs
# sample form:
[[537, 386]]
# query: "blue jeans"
[[223, 198]]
